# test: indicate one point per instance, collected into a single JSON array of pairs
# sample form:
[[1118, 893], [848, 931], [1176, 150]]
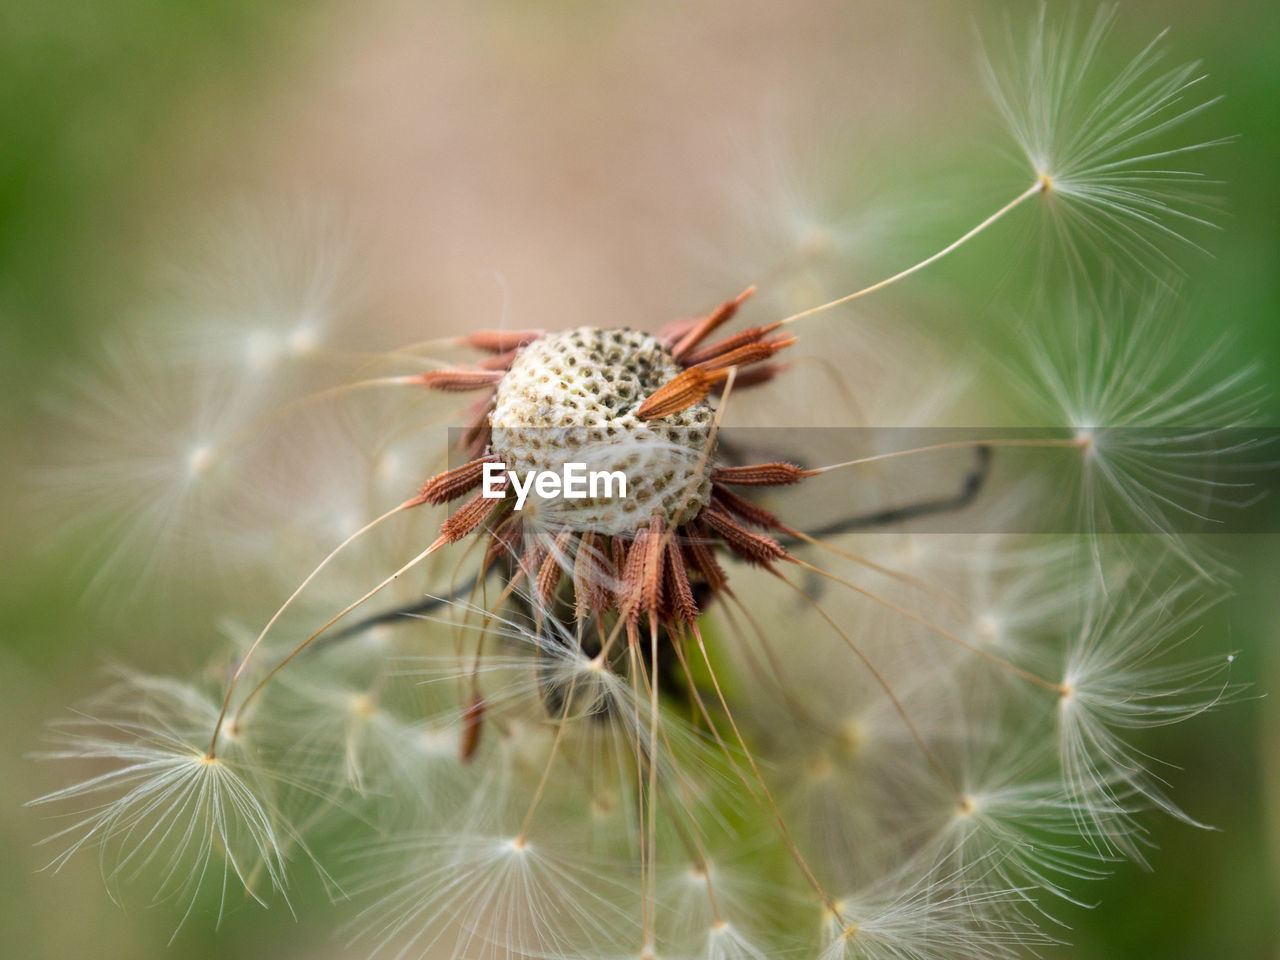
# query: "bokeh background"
[[564, 162]]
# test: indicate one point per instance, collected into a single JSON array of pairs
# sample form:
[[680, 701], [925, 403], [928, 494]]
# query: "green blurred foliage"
[[97, 98]]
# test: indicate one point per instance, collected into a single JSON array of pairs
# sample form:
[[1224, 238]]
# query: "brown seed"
[[776, 474], [672, 333], [467, 517], [651, 591], [460, 379], [679, 393], [452, 484], [730, 502], [552, 567], [501, 361], [697, 547], [746, 354], [589, 577], [718, 317], [501, 341], [507, 539], [683, 607], [633, 577], [752, 547], [754, 376], [618, 548], [750, 335]]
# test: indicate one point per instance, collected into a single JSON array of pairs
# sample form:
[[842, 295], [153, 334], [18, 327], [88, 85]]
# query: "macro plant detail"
[[680, 723]]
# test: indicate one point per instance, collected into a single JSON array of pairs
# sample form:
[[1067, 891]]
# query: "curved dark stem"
[[973, 482], [395, 615]]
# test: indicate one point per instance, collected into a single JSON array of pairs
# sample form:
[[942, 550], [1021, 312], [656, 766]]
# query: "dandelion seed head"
[[1159, 422], [674, 724], [165, 805], [574, 397], [1109, 151], [1119, 678]]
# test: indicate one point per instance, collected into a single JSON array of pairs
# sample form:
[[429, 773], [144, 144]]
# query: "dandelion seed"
[[1117, 678], [488, 897], [1163, 446], [165, 807], [940, 915], [1109, 150]]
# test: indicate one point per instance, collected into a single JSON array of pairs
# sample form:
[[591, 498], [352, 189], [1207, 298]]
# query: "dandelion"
[[1115, 680], [490, 896], [1164, 430], [1110, 152], [164, 807], [677, 721]]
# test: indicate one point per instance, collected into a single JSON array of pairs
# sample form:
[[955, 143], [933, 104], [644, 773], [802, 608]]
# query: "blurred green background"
[[124, 122]]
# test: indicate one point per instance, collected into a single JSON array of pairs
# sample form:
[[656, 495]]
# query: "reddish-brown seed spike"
[[754, 376], [461, 379], [553, 567], [618, 548], [472, 727], [679, 393], [694, 383], [508, 539], [501, 361], [531, 562], [632, 590], [683, 608], [477, 420], [500, 341], [604, 577], [477, 415], [747, 336], [479, 446], [467, 517], [673, 332], [752, 547], [586, 575], [651, 591], [775, 474], [452, 484], [697, 546], [745, 355], [753, 513], [479, 443], [704, 328]]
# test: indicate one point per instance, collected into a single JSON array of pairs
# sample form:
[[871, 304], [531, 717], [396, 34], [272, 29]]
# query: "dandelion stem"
[[884, 684], [1079, 442], [546, 775], [783, 830], [692, 840], [244, 661], [330, 622], [1041, 185], [898, 575]]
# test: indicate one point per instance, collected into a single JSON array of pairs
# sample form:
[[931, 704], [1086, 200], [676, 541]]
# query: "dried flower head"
[[665, 719]]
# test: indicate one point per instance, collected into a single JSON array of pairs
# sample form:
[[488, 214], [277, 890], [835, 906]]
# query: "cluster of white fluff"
[[911, 745]]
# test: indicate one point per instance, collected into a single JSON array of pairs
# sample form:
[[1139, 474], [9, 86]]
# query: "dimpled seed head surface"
[[571, 397]]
